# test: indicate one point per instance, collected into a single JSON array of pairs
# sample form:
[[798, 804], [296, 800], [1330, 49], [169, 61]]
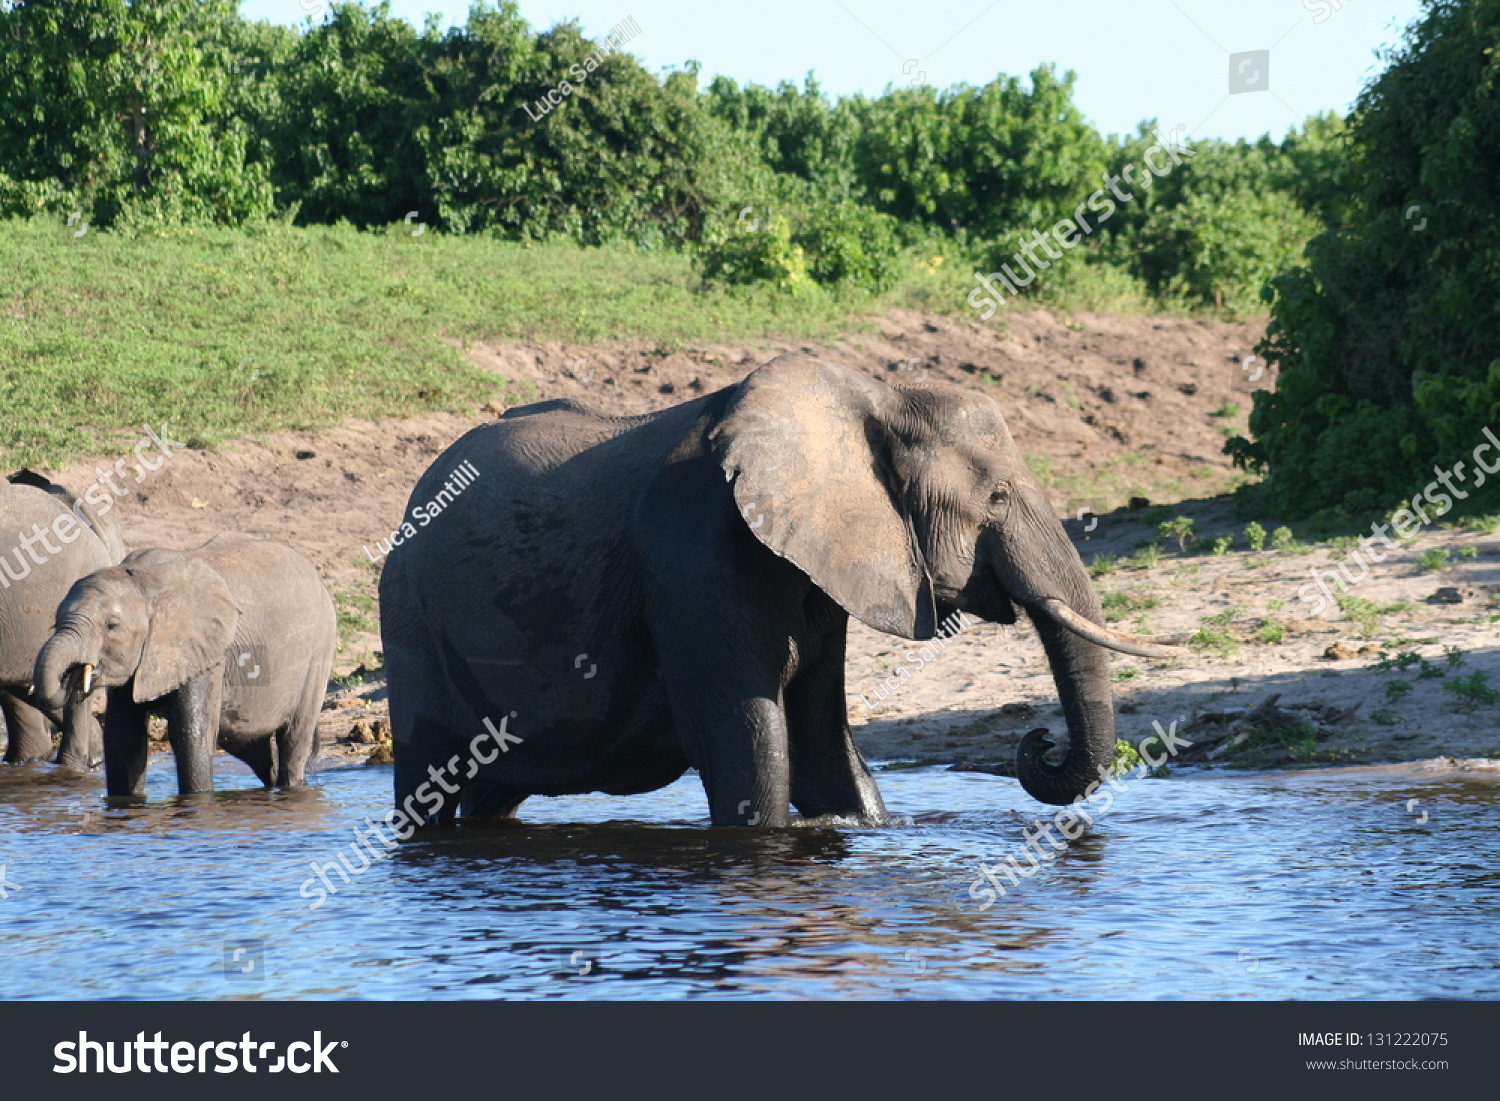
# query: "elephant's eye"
[[112, 625]]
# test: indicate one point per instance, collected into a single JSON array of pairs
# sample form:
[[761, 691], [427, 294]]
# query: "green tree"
[[1387, 343], [981, 162], [558, 134], [117, 107], [351, 94]]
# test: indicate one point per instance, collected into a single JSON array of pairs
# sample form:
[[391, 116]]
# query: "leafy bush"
[[1472, 691], [851, 245], [832, 245], [759, 255], [1119, 604], [144, 115], [1436, 559], [1179, 528], [1220, 249], [1386, 342], [113, 107]]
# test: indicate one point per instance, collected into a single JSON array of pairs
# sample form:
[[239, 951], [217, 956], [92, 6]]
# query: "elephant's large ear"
[[193, 617], [806, 444]]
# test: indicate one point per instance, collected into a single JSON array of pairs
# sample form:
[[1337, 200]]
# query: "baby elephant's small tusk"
[[87, 680]]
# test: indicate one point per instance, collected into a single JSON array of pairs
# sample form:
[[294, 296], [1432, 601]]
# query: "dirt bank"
[[1106, 408]]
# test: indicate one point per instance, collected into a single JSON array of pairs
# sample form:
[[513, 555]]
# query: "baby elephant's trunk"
[[51, 680]]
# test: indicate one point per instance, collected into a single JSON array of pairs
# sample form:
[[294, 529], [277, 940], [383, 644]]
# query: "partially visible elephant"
[[49, 538], [232, 642], [598, 603]]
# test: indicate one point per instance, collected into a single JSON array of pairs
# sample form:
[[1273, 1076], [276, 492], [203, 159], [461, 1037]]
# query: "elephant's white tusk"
[[87, 680], [1110, 638]]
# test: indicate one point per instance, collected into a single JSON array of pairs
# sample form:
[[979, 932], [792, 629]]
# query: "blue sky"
[[1164, 59]]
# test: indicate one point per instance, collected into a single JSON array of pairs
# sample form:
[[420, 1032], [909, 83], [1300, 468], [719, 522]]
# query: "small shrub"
[[1222, 545], [1283, 539], [1365, 613], [1180, 529], [1437, 559], [1125, 673], [1429, 671], [1299, 736], [1468, 553], [1385, 717], [757, 256], [1228, 409], [1126, 756], [1396, 690], [1103, 564], [1217, 639], [1256, 536], [1399, 662], [1144, 558], [1273, 632], [1472, 691], [1119, 604]]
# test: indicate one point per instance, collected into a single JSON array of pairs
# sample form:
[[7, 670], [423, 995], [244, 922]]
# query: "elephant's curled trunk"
[[1080, 669], [62, 652]]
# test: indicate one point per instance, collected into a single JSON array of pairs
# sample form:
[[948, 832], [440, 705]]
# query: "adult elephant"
[[49, 538], [231, 642], [630, 596]]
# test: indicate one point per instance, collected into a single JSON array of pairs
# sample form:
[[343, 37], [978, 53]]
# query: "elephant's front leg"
[[126, 746], [743, 762], [727, 709], [193, 729]]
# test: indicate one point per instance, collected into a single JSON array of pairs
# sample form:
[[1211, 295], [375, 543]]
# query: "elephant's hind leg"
[[481, 799], [422, 731], [297, 740], [30, 738], [260, 755]]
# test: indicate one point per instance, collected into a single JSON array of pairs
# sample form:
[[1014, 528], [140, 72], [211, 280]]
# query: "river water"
[[1339, 883]]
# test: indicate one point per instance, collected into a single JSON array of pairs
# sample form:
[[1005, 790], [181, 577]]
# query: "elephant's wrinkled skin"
[[48, 539], [232, 642], [637, 595]]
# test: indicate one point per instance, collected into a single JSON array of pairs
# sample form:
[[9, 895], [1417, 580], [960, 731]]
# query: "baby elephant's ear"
[[807, 446], [193, 617]]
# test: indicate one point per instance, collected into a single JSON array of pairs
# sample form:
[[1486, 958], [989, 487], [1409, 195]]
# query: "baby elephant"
[[232, 641]]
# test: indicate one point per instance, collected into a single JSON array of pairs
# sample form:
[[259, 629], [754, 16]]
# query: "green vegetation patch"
[[222, 333]]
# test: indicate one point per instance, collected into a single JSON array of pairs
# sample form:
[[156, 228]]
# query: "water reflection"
[[1319, 884]]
